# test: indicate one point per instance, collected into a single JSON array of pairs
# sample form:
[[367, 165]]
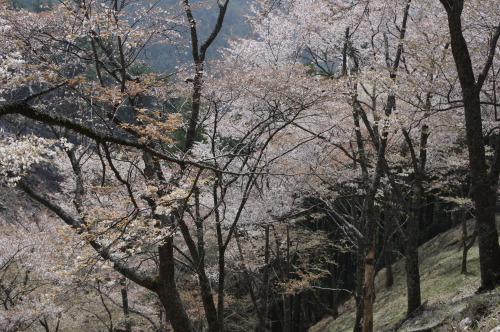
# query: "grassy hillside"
[[450, 303]]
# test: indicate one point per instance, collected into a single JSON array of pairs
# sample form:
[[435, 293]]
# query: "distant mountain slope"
[[165, 57], [450, 303]]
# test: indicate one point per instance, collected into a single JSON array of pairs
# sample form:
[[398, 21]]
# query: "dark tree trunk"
[[335, 293], [360, 272], [126, 313], [388, 227], [287, 313], [195, 107], [265, 284], [208, 301], [414, 300], [199, 53], [287, 299], [369, 290], [483, 192], [296, 312], [168, 292], [466, 242]]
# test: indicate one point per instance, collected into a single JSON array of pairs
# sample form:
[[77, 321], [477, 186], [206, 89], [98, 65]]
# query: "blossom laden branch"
[[28, 111]]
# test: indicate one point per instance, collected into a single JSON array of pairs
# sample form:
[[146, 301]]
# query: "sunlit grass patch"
[[448, 296]]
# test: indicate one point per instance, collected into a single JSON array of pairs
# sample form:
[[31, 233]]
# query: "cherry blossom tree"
[[145, 201], [169, 177], [354, 40]]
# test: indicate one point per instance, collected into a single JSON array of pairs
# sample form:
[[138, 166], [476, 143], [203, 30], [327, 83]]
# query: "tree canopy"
[[259, 180]]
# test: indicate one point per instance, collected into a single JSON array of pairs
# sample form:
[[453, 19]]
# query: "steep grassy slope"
[[450, 303]]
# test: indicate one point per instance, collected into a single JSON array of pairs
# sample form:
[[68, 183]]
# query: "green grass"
[[448, 296]]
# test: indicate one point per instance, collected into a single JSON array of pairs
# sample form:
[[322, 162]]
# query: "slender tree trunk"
[[369, 290], [195, 107], [335, 292], [360, 254], [128, 325], [344, 52], [208, 301], [167, 290], [414, 300], [220, 288], [287, 299], [265, 285], [370, 229], [360, 272], [388, 228], [296, 314], [373, 186], [466, 242], [287, 313]]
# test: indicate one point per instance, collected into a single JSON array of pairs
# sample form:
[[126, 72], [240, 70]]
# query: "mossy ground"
[[448, 296]]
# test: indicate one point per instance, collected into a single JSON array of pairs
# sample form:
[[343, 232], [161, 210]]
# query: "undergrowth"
[[450, 302]]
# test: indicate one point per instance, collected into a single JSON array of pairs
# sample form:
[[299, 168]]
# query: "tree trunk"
[[208, 301], [369, 290], [128, 325], [360, 272], [220, 287], [414, 300], [467, 244], [195, 107], [287, 299], [483, 193], [167, 290], [287, 313], [335, 292], [265, 285], [296, 314], [388, 227]]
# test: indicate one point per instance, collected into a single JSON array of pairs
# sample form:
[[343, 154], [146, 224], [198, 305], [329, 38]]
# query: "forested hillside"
[[222, 166], [451, 303]]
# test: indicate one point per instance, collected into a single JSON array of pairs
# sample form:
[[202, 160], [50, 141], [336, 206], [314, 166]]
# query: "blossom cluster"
[[19, 155]]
